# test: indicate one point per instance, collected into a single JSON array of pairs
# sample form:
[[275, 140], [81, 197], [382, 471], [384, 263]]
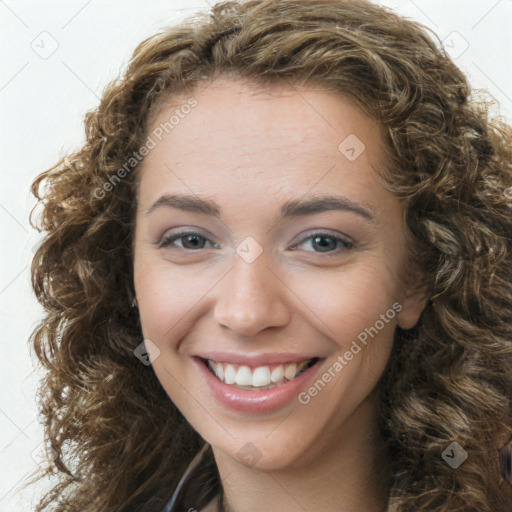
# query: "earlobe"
[[414, 301]]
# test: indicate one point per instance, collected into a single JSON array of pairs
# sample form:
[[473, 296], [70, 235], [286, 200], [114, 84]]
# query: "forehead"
[[245, 110], [271, 139]]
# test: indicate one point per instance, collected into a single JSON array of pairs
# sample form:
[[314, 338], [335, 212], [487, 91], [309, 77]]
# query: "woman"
[[277, 275]]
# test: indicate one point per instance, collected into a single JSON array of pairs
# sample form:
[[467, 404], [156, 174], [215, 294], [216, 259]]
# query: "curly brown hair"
[[119, 441]]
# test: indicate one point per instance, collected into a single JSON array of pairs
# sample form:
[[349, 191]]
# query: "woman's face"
[[274, 274]]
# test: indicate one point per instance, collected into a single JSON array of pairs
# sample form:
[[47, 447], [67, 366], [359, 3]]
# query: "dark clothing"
[[198, 486]]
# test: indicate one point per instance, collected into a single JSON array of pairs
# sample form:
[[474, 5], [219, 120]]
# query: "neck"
[[351, 475]]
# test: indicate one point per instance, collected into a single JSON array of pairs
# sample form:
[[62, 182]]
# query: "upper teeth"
[[258, 377]]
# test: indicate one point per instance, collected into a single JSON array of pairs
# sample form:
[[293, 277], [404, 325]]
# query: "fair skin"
[[250, 150]]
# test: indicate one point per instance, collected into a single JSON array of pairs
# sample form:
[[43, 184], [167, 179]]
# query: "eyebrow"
[[289, 209]]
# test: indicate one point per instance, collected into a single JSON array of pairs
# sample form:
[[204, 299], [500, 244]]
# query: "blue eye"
[[194, 241]]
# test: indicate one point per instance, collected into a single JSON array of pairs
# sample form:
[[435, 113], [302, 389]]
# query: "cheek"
[[169, 297], [343, 304]]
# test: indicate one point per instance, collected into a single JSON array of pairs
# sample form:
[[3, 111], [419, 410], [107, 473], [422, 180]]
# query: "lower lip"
[[265, 401]]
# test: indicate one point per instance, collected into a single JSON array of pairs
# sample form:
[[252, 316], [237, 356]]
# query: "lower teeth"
[[259, 388]]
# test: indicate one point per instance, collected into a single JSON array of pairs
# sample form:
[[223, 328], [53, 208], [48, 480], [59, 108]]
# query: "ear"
[[414, 300]]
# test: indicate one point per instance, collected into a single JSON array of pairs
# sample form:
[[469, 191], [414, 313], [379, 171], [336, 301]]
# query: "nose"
[[251, 298]]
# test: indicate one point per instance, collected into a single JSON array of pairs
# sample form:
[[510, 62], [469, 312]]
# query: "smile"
[[260, 377], [258, 384]]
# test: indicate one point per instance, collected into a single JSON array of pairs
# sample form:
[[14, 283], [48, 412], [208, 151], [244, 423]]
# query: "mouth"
[[257, 378], [256, 383]]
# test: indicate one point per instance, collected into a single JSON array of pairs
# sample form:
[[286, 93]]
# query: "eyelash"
[[346, 244]]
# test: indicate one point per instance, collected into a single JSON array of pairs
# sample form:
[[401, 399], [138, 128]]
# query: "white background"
[[43, 101]]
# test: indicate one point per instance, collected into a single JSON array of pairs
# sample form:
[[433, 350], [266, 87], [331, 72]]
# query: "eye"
[[326, 242], [192, 240]]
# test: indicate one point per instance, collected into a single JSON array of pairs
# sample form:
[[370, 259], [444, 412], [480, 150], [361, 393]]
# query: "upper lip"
[[255, 359]]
